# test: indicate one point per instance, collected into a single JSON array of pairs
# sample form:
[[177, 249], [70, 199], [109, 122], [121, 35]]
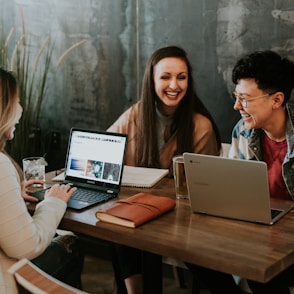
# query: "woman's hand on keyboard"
[[63, 192]]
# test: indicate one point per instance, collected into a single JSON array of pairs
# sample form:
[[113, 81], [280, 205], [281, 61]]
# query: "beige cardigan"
[[204, 137], [22, 235]]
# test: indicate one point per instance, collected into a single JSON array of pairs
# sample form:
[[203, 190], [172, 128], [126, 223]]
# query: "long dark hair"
[[147, 153]]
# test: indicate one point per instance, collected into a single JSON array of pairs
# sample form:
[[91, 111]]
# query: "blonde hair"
[[8, 109]]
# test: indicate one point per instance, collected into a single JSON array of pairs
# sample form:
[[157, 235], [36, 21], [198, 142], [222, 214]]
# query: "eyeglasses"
[[236, 96]]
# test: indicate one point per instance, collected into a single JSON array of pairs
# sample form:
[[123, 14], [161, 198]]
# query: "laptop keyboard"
[[83, 195], [90, 196], [275, 212]]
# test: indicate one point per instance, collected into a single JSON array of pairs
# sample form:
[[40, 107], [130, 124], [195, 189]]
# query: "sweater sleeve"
[[204, 137], [21, 234]]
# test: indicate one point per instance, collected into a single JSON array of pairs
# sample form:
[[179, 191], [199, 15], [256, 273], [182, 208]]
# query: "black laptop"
[[94, 164]]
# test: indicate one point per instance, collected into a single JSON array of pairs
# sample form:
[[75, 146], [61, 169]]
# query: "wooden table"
[[253, 251]]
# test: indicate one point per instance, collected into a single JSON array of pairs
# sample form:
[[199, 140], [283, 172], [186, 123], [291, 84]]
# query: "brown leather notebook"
[[136, 210]]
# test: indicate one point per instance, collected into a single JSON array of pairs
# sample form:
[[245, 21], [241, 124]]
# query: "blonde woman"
[[22, 235]]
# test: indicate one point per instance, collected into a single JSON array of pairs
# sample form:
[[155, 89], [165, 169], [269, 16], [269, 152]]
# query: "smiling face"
[[259, 112], [170, 82]]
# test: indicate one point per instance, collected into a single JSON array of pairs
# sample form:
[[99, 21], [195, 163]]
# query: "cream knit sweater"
[[20, 234]]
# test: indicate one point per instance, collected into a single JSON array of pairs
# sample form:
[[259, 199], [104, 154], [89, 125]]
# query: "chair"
[[225, 149], [30, 279]]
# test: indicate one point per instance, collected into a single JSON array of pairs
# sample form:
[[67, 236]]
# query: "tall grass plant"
[[31, 71]]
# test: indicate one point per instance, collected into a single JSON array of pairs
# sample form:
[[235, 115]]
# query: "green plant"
[[32, 75]]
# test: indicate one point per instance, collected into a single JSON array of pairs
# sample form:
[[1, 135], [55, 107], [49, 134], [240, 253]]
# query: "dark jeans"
[[63, 259], [126, 261]]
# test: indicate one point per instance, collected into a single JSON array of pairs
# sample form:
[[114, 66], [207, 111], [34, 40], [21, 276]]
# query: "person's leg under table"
[[152, 273]]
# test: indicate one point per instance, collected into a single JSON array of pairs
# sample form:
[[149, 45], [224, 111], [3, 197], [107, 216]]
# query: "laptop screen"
[[95, 157]]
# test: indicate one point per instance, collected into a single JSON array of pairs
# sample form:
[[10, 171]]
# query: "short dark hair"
[[271, 72]]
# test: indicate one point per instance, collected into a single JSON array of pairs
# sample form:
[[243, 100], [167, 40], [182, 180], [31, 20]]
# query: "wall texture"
[[100, 79]]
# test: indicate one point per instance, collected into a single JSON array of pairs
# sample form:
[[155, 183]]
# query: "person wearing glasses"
[[263, 84], [264, 81]]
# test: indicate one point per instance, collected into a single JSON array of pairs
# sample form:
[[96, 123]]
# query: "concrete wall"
[[99, 80]]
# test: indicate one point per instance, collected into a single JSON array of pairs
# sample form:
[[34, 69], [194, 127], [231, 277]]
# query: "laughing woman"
[[169, 119]]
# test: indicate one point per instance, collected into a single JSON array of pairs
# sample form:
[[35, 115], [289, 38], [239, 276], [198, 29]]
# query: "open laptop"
[[94, 164], [231, 188]]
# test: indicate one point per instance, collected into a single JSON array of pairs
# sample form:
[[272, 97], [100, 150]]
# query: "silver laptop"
[[94, 164], [231, 188]]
